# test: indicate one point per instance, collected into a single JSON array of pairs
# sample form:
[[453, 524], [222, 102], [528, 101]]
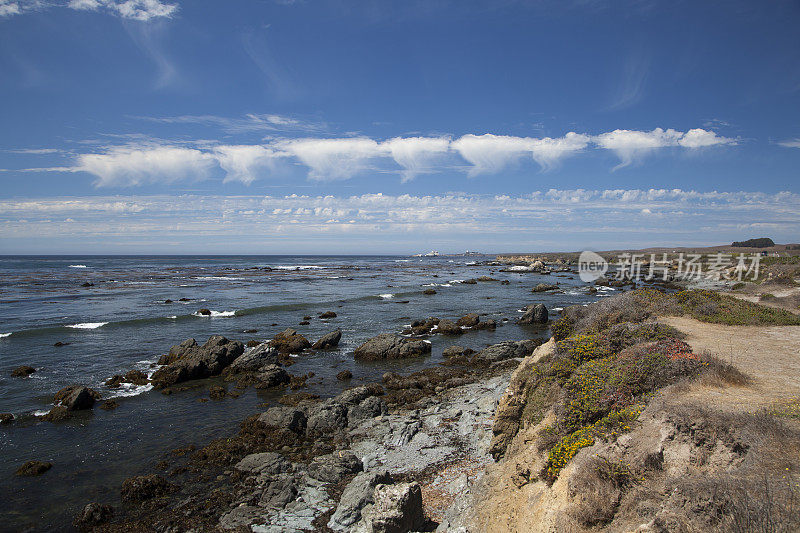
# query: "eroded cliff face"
[[689, 462]]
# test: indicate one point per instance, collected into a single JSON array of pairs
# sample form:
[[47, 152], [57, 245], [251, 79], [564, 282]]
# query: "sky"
[[365, 126]]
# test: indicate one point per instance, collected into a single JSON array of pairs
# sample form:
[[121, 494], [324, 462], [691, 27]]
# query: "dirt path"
[[770, 355]]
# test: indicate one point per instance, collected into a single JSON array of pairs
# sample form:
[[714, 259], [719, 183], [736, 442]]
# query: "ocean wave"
[[4, 335], [558, 309], [471, 263], [386, 296], [519, 268], [217, 314], [218, 278], [457, 281], [78, 266], [40, 412], [437, 285], [87, 325]]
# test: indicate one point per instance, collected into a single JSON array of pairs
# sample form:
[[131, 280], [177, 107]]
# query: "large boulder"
[[270, 463], [188, 361], [544, 287], [76, 398], [389, 346], [334, 467], [358, 493], [507, 350], [326, 418], [397, 509], [469, 320], [329, 340], [455, 351], [255, 359], [284, 417], [22, 371], [272, 376], [290, 341], [534, 314], [33, 468], [448, 327]]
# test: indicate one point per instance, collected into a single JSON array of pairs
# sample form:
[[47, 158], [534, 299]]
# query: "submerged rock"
[[22, 371], [448, 327], [544, 287], [33, 468], [140, 488], [328, 314], [6, 418], [344, 375], [389, 346], [454, 351], [468, 320]]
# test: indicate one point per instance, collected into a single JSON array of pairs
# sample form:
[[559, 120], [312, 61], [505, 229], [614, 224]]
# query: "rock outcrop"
[[76, 398], [188, 360], [290, 341], [329, 340], [389, 346], [534, 314]]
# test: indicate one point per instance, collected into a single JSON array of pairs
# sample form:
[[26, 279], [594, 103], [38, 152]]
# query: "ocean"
[[114, 314]]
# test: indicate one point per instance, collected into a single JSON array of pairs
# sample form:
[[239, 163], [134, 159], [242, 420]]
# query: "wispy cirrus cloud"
[[556, 218], [249, 123], [141, 10], [146, 160], [790, 143]]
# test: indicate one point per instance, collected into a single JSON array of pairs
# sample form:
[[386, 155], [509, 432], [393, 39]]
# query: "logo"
[[591, 266]]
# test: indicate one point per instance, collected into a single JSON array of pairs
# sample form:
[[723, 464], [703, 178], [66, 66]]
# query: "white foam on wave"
[[471, 263], [4, 335], [297, 267], [456, 281], [41, 413], [129, 389], [78, 266], [437, 285], [386, 296], [519, 268], [402, 260], [218, 278], [217, 314], [558, 309], [173, 316], [87, 325]]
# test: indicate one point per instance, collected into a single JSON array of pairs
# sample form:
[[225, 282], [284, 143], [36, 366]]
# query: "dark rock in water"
[[59, 344], [137, 377], [505, 282], [6, 418], [109, 405], [543, 287], [328, 314], [454, 351], [57, 414], [289, 341], [358, 493], [304, 323], [285, 418], [344, 375], [429, 291], [217, 393], [252, 343], [592, 290], [486, 278], [329, 340], [389, 346], [167, 301], [254, 360], [188, 361], [87, 284], [334, 467], [487, 324], [534, 314], [468, 320], [23, 371], [114, 381], [470, 282], [272, 376], [250, 331], [140, 488], [94, 514], [397, 508], [448, 327], [33, 468], [307, 317], [76, 397], [185, 299], [204, 312]]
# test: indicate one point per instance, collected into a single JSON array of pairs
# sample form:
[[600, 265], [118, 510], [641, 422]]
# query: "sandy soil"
[[770, 355]]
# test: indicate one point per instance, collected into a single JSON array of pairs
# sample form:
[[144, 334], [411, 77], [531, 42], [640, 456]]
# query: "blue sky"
[[322, 126]]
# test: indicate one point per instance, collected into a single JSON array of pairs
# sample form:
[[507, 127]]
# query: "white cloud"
[[790, 143], [629, 145], [490, 153], [142, 10], [417, 155], [245, 163], [700, 138], [124, 167], [333, 159]]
